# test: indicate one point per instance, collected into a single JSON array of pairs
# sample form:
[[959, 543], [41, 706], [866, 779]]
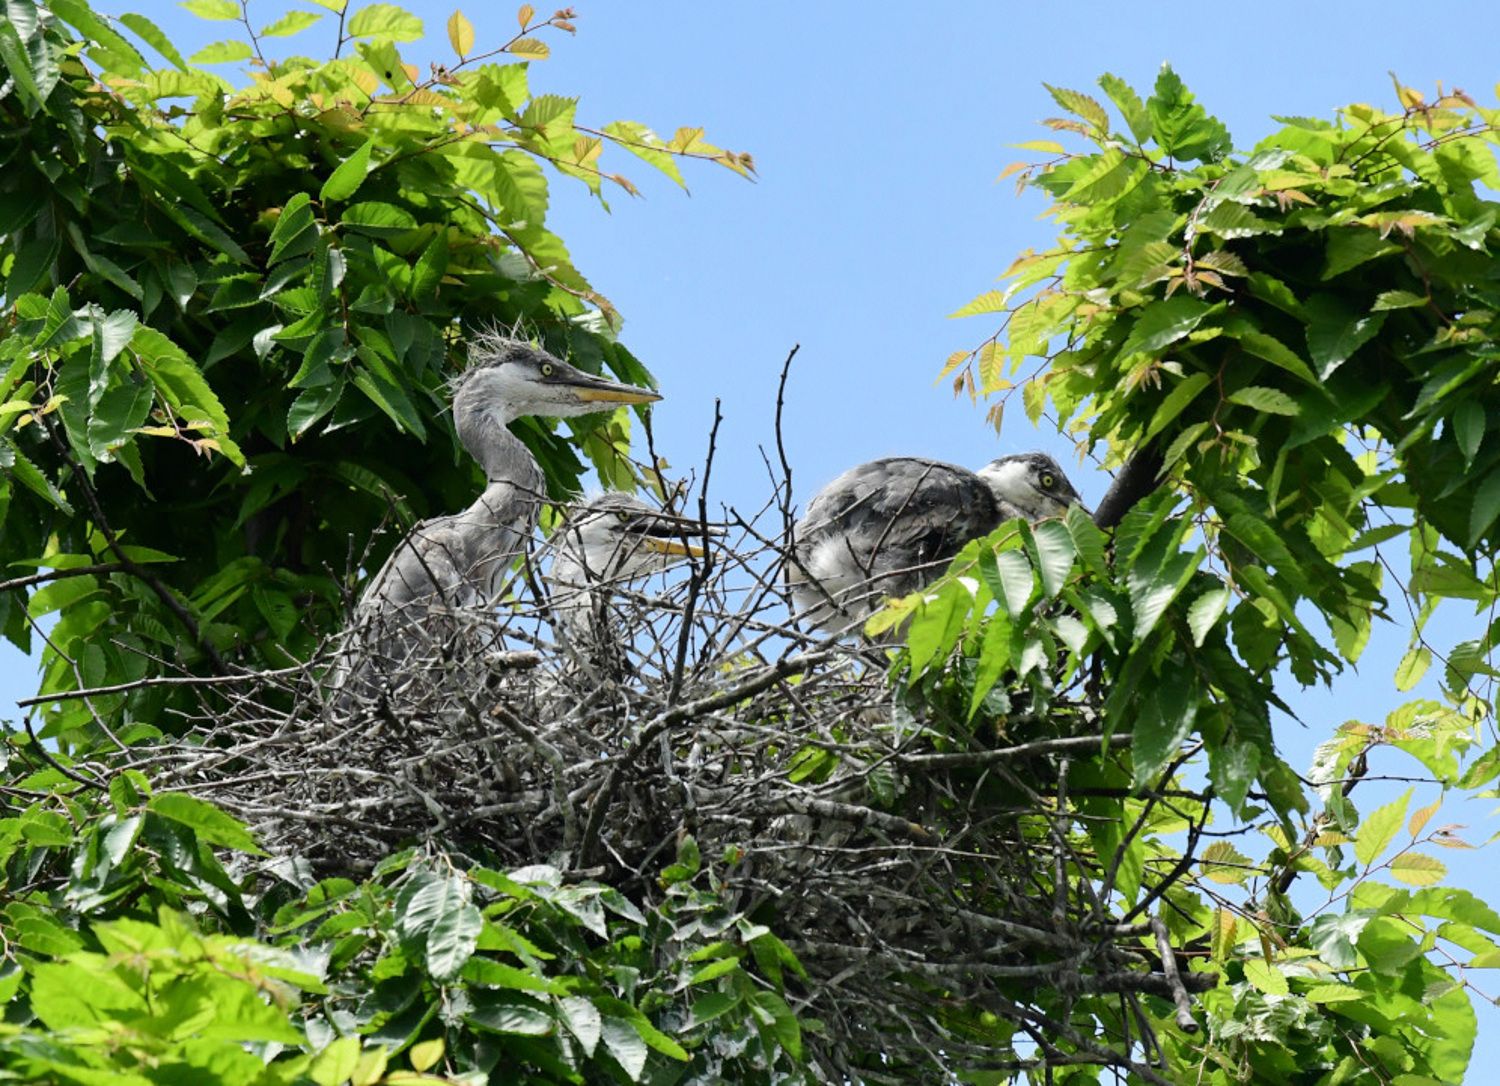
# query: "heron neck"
[[501, 453]]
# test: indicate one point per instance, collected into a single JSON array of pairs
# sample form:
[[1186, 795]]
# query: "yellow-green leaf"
[[293, 22], [531, 48], [1416, 869], [1268, 978], [1422, 817], [426, 1054], [460, 33], [1412, 667], [1376, 832], [385, 21], [217, 10]]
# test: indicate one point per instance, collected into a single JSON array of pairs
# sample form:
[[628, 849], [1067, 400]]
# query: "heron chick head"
[[508, 378], [1030, 485], [618, 536]]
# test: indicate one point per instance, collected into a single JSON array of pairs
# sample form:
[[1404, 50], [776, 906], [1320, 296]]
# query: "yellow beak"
[[672, 546], [617, 395]]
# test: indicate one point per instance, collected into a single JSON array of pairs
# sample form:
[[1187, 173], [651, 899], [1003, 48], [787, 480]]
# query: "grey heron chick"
[[460, 560], [888, 527], [605, 541]]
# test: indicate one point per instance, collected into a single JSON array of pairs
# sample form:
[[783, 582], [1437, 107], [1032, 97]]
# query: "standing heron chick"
[[605, 541], [406, 621], [460, 560], [888, 527]]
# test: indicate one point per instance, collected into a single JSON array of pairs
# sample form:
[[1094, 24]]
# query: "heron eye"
[[1048, 480], [622, 516], [546, 369]]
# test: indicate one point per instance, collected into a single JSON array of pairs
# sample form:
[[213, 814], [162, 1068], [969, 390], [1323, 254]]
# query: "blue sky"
[[879, 130]]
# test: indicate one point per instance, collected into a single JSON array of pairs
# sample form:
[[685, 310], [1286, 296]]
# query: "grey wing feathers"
[[883, 529], [925, 508], [425, 569]]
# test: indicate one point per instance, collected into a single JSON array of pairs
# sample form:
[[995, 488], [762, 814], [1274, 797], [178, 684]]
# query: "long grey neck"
[[498, 451]]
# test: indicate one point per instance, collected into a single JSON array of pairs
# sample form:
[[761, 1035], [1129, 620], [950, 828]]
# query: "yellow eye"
[[546, 369], [1048, 480]]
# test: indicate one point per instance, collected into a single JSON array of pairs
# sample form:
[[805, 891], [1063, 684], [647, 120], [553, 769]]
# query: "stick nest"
[[927, 871]]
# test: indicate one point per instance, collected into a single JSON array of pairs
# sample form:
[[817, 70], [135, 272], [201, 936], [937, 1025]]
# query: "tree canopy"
[[1067, 841]]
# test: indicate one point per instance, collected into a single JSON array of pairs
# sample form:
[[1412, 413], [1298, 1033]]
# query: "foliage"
[[231, 310], [456, 972], [1302, 338], [229, 313]]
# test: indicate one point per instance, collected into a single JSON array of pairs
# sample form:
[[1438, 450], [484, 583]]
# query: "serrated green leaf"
[[212, 825], [384, 21], [1412, 667], [1486, 507], [1335, 330], [1415, 869], [1164, 323], [215, 10], [344, 182], [293, 22], [1081, 105], [223, 52], [1176, 401], [1398, 299], [1380, 829], [152, 35], [1055, 554], [1469, 422], [1268, 978], [1270, 400], [1205, 612], [1129, 103]]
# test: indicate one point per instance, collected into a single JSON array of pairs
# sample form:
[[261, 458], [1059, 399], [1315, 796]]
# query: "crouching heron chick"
[[888, 527], [606, 541]]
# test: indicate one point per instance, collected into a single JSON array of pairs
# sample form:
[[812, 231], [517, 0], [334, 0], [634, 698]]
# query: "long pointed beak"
[[668, 534], [589, 389], [672, 546]]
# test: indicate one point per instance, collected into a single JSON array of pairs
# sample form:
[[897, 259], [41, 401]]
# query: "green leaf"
[[583, 1021], [379, 220], [1054, 552], [210, 823], [1009, 577], [1164, 721], [384, 21], [222, 52], [293, 22], [1081, 105], [18, 64], [1412, 667], [1164, 323], [1335, 330], [1415, 869], [1129, 103], [1269, 400], [1469, 421], [625, 1044], [1350, 246], [1379, 829], [1181, 127], [344, 182], [1398, 299], [451, 940], [1268, 978], [1176, 401], [1486, 507], [152, 35], [1205, 612], [216, 10]]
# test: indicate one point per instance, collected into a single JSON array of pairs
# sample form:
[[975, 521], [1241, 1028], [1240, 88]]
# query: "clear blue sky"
[[879, 130]]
